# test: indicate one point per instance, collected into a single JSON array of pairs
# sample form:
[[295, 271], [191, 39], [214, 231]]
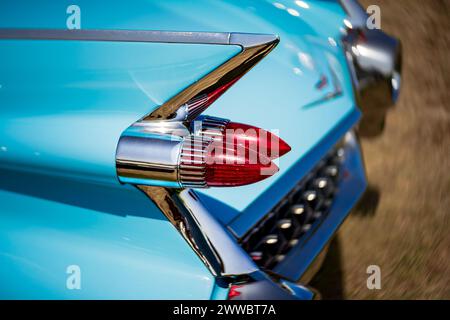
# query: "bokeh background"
[[402, 224]]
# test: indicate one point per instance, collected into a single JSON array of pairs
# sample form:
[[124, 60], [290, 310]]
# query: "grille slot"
[[270, 240]]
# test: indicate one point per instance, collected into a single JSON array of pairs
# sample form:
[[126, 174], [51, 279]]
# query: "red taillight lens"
[[233, 133], [205, 163], [234, 167], [255, 138], [234, 292]]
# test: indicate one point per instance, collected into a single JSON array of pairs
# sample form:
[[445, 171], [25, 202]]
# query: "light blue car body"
[[65, 104]]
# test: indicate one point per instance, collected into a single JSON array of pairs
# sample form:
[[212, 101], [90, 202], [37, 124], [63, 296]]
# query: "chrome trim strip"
[[245, 40], [117, 35], [207, 237], [337, 91]]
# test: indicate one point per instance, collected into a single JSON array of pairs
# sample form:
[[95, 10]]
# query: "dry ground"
[[403, 222]]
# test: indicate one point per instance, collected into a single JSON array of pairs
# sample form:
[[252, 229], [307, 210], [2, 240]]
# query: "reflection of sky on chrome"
[[368, 52]]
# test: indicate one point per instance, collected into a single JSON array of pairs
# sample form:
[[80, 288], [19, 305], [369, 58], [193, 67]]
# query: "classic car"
[[109, 111]]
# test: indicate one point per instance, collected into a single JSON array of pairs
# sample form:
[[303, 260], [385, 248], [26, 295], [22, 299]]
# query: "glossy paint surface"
[[65, 104], [125, 248]]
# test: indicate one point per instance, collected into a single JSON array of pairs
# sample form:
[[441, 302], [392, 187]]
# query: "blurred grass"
[[403, 222]]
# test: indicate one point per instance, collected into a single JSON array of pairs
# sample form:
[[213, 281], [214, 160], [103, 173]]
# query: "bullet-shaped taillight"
[[191, 161], [264, 142]]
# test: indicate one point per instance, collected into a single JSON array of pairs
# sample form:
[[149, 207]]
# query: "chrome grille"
[[290, 221]]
